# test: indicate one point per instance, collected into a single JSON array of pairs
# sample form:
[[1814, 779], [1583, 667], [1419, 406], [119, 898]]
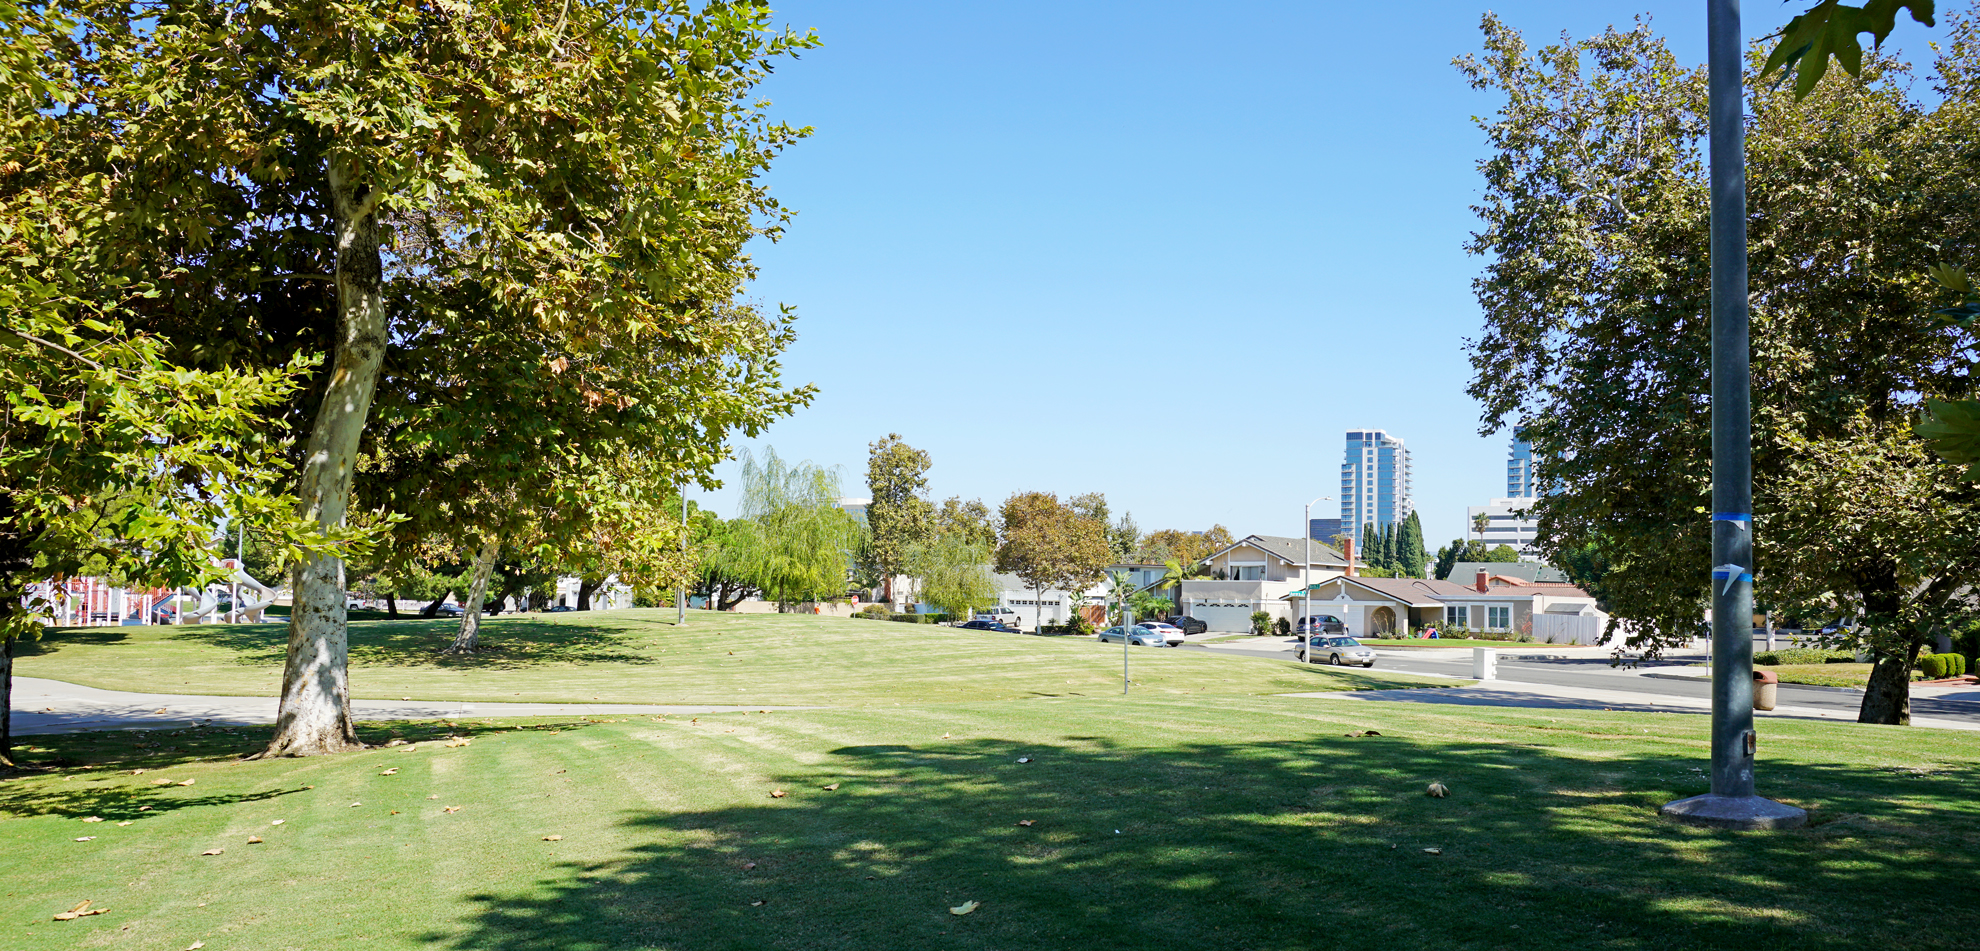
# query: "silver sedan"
[[1137, 636], [1338, 651]]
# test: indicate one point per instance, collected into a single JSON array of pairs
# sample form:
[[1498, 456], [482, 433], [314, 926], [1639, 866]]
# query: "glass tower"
[[1519, 468], [1374, 481]]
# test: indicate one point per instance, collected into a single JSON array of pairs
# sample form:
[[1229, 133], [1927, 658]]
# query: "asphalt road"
[[1594, 672]]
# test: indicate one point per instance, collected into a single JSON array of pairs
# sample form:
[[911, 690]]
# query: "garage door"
[[1231, 616]]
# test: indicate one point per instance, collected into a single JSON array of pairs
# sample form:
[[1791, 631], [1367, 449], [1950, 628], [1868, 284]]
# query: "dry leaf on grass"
[[1437, 791], [189, 782], [213, 851], [278, 822], [389, 772], [945, 736], [395, 741], [144, 808], [124, 823], [1024, 759], [778, 794], [759, 903], [453, 808], [458, 741], [1024, 822], [964, 908], [161, 782], [1433, 851], [410, 747], [195, 946], [356, 804], [748, 865], [254, 840], [85, 838], [82, 910], [553, 838], [832, 788], [92, 818]]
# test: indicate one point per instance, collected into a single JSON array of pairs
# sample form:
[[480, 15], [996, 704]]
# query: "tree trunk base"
[[1887, 697]]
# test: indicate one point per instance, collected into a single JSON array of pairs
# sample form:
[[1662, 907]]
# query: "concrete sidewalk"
[[1506, 693], [52, 706]]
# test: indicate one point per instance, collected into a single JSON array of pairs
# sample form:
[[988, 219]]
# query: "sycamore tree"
[[1596, 293], [289, 175]]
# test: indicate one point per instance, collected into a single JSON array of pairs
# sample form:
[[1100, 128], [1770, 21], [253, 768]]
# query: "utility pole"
[[1732, 802], [1306, 580]]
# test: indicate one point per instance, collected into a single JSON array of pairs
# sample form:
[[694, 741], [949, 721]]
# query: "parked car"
[[559, 609], [1137, 636], [1188, 624], [983, 625], [453, 610], [1000, 615], [1320, 624], [1339, 651], [1169, 632]]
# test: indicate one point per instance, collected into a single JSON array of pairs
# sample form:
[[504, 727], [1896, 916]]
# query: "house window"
[[1247, 572], [1498, 618], [1460, 616]]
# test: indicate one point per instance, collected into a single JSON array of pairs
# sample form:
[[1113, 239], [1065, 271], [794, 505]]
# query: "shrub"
[[878, 612], [1803, 655], [1261, 623], [1284, 627], [1941, 666]]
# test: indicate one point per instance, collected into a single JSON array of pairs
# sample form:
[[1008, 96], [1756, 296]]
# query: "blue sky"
[[1164, 251]]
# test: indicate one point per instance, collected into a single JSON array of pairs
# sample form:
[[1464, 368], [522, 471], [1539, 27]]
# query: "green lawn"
[[1157, 822], [641, 657]]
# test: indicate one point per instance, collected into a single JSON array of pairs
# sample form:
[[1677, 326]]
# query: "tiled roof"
[[1291, 549]]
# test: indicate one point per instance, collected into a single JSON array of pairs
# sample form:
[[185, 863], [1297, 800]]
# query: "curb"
[[1708, 679]]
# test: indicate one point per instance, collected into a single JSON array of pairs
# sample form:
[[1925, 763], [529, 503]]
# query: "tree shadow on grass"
[[508, 643], [1310, 843]]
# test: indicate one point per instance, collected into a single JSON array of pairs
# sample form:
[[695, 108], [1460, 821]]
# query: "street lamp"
[[680, 601], [1732, 803], [1306, 577]]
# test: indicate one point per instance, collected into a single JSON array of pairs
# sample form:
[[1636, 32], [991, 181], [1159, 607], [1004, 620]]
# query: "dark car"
[[1188, 624], [559, 609], [1320, 624], [982, 625]]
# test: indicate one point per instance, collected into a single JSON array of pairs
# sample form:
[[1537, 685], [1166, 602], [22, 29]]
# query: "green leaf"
[[1952, 429], [1830, 28]]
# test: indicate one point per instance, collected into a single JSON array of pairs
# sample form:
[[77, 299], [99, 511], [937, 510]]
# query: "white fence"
[[1568, 628]]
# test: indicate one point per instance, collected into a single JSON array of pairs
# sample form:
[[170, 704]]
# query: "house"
[[1401, 607], [1254, 573], [1051, 606], [1528, 571]]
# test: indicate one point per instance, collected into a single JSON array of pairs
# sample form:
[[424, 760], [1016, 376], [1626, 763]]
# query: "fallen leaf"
[[254, 840], [964, 908], [748, 865], [85, 838], [396, 742], [758, 903], [1025, 822], [278, 822], [1437, 791], [832, 788], [553, 838], [945, 736], [92, 818], [189, 782], [453, 809], [144, 808], [195, 946], [1433, 851], [213, 851], [81, 910], [356, 804], [777, 794], [410, 747], [433, 797], [405, 698], [389, 771], [1024, 759], [137, 772], [124, 823], [1372, 733], [161, 782], [159, 710], [458, 741]]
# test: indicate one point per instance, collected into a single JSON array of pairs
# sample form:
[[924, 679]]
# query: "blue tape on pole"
[[1731, 517], [1742, 576]]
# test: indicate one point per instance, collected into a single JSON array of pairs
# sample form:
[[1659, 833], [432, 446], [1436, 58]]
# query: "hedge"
[[1941, 666], [1803, 655]]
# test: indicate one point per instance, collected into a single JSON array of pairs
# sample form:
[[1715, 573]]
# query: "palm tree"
[[1481, 522], [1175, 574]]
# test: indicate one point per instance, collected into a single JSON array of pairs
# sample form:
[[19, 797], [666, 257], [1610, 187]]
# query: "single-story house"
[[1399, 607], [1051, 606], [1253, 574]]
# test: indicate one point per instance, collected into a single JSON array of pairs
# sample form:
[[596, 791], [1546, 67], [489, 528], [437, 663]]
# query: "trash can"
[[1766, 689]]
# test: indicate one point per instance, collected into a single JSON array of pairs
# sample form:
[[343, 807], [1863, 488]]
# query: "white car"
[[1001, 615], [1169, 632]]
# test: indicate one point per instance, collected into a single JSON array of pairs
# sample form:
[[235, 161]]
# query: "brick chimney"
[[1484, 583], [1347, 548]]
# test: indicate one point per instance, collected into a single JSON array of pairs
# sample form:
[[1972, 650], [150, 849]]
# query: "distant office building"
[[1324, 529], [855, 507], [1374, 481], [1519, 468], [1506, 523]]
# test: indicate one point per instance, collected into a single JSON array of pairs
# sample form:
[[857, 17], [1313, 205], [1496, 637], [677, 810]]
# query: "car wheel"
[[1336, 660], [1370, 665]]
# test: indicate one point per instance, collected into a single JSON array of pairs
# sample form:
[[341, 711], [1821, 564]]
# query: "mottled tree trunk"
[[585, 588], [1887, 697], [6, 701], [315, 713], [432, 608], [467, 640]]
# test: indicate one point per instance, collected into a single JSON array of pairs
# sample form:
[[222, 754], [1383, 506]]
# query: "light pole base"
[[1735, 812]]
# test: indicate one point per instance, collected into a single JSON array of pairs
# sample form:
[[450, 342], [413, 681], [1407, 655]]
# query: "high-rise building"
[[1519, 468], [1323, 530], [1374, 481]]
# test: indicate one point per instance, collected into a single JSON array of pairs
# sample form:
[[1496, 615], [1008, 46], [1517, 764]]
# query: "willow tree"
[[790, 538], [1596, 294], [592, 167]]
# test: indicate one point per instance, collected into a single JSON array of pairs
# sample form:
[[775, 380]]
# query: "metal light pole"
[[1306, 579], [1732, 802]]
